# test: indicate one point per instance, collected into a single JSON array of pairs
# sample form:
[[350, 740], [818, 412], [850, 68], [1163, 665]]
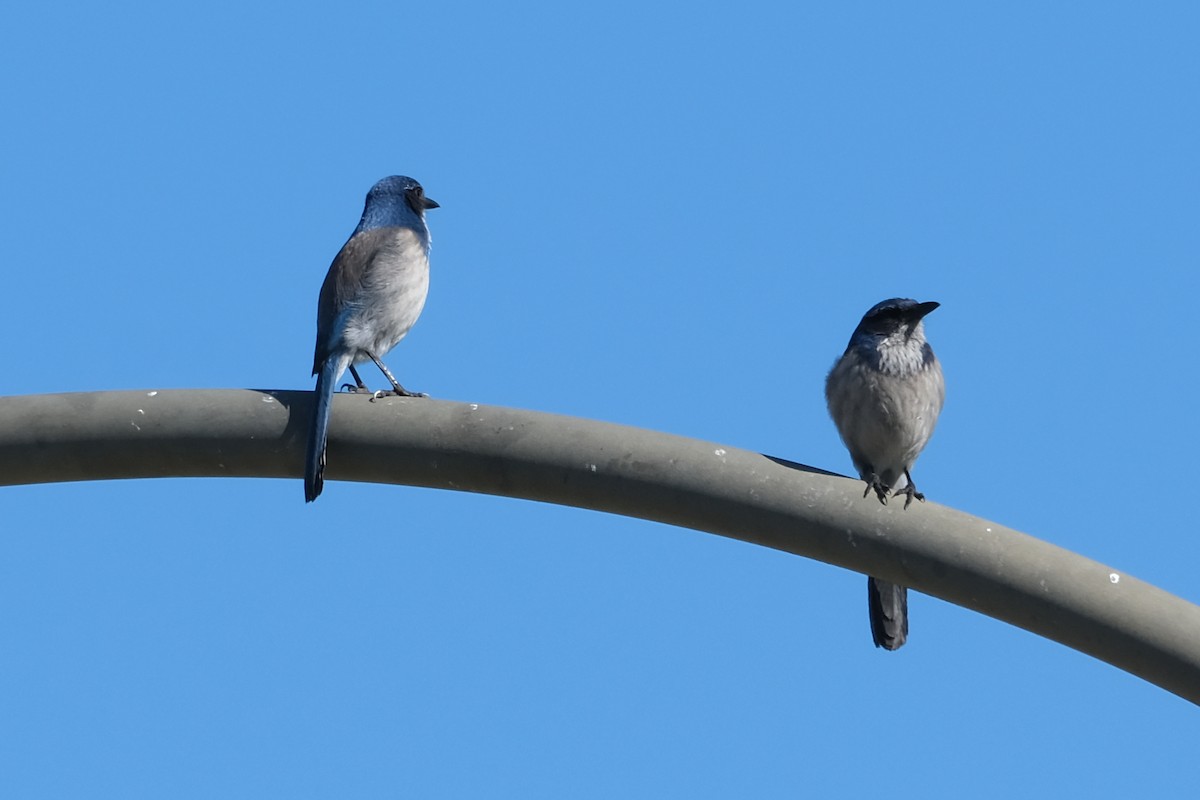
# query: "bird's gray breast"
[[885, 416], [389, 292]]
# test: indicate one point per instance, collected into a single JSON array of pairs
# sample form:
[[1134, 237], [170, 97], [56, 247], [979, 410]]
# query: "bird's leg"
[[910, 491], [873, 482], [358, 387], [397, 389]]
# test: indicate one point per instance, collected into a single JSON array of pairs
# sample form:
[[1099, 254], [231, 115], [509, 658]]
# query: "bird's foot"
[[911, 490], [909, 493], [873, 482], [352, 389], [394, 393]]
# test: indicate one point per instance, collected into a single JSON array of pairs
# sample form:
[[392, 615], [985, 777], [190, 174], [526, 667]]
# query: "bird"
[[372, 295], [884, 394]]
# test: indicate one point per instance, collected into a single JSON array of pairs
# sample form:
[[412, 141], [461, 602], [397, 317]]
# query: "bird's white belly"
[[389, 301]]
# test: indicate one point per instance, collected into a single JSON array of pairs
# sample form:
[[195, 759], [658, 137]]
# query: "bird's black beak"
[[921, 309], [429, 202]]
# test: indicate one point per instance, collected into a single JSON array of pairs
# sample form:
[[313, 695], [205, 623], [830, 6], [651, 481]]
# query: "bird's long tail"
[[888, 604], [314, 464]]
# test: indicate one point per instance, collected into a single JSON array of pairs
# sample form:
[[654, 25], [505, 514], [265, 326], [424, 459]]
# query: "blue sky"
[[666, 215]]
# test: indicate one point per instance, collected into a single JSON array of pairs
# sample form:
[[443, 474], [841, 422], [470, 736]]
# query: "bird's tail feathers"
[[314, 465], [888, 605]]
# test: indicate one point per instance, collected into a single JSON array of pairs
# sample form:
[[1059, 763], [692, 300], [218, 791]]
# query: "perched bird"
[[885, 394], [373, 294]]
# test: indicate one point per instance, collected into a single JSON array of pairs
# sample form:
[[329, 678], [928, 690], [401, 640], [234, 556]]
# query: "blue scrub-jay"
[[373, 294], [885, 394]]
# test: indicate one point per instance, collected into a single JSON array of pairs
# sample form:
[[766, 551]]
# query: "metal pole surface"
[[710, 487]]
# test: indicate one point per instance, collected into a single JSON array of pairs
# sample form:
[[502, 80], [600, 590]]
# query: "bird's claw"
[[909, 493], [352, 389], [393, 393], [881, 491]]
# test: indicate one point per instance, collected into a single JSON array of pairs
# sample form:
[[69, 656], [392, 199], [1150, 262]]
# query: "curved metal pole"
[[469, 447]]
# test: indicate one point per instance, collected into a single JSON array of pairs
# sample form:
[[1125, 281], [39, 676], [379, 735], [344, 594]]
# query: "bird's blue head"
[[395, 202], [897, 318]]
